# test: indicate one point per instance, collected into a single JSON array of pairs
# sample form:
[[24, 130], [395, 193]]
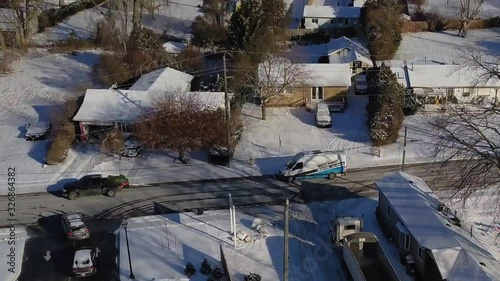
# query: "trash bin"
[[410, 265]]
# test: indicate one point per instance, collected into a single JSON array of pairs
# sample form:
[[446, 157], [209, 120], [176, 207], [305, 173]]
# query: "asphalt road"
[[49, 256], [175, 197]]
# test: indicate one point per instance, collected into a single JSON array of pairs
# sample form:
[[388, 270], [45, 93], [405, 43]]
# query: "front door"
[[316, 95]]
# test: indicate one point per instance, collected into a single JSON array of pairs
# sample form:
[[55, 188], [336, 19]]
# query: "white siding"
[[467, 94], [327, 23]]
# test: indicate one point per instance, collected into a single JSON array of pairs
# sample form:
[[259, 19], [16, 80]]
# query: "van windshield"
[[290, 164]]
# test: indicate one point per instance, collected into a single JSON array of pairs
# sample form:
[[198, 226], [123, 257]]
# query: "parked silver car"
[[36, 130], [74, 227]]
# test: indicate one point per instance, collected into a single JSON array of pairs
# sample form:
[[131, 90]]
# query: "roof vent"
[[482, 263], [448, 225], [411, 182]]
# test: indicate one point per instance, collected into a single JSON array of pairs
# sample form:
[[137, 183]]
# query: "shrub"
[[112, 69], [107, 35], [52, 17], [435, 22], [205, 268], [253, 277], [217, 274], [189, 269], [73, 43], [64, 138], [114, 142]]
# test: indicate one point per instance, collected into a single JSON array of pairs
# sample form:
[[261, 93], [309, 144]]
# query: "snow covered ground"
[[12, 248], [291, 130], [161, 246], [481, 212], [176, 18], [450, 8], [448, 47], [29, 94]]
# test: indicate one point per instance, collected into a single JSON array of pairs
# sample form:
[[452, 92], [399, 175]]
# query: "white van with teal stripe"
[[315, 164]]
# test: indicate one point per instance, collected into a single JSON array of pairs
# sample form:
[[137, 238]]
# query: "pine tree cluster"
[[381, 22], [385, 106]]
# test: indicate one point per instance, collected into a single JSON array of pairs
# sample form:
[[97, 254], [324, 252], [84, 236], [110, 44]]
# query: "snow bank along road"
[[176, 197]]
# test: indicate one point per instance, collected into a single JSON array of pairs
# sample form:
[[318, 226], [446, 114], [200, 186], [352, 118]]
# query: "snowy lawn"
[[450, 8], [30, 94], [176, 18], [447, 46], [161, 246], [291, 130]]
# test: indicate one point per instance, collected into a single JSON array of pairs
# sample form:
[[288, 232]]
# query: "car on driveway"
[[94, 185], [37, 130], [74, 227], [84, 262]]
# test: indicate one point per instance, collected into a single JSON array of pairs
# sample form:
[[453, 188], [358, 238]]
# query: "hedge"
[[53, 16]]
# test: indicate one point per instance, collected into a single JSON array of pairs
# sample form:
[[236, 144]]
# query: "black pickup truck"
[[94, 185]]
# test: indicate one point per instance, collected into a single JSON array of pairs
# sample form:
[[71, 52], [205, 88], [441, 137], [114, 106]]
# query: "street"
[[48, 255], [184, 196]]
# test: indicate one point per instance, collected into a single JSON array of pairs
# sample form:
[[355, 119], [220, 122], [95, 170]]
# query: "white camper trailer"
[[345, 225]]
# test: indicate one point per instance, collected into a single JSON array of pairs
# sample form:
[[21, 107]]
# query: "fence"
[[224, 263]]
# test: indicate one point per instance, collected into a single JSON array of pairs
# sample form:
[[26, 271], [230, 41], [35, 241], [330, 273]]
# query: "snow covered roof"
[[112, 105], [174, 47], [444, 76], [330, 12], [457, 256], [325, 74], [344, 50], [162, 80]]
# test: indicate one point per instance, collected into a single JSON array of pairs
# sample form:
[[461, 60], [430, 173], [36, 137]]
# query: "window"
[[298, 166], [466, 94], [407, 242], [315, 20], [333, 21], [421, 253], [317, 93], [350, 227], [346, 22], [389, 210]]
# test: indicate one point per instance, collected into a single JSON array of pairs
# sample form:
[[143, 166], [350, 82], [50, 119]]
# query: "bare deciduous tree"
[[469, 9], [181, 122], [276, 76], [471, 134]]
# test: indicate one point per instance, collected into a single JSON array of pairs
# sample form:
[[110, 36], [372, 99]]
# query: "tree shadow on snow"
[[303, 115]]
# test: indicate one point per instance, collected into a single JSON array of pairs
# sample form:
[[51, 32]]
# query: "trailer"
[[365, 258]]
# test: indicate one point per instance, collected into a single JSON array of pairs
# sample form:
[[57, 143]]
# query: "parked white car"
[[361, 85], [84, 263], [323, 118], [36, 130]]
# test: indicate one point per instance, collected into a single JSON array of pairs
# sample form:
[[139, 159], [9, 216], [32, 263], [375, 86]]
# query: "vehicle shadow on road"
[[56, 189]]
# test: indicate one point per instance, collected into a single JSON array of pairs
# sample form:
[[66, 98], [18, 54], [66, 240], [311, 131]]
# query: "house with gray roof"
[[421, 228]]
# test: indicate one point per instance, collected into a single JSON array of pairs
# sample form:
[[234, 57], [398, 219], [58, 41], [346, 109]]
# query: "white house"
[[330, 16], [114, 108], [345, 50], [450, 82], [163, 80]]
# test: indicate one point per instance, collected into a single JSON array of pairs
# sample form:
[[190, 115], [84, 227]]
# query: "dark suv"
[[94, 185]]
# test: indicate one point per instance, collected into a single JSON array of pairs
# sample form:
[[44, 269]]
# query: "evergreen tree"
[[385, 106], [381, 21], [411, 104], [259, 26]]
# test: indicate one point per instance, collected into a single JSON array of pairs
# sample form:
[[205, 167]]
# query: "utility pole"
[[404, 152], [228, 123], [287, 230]]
